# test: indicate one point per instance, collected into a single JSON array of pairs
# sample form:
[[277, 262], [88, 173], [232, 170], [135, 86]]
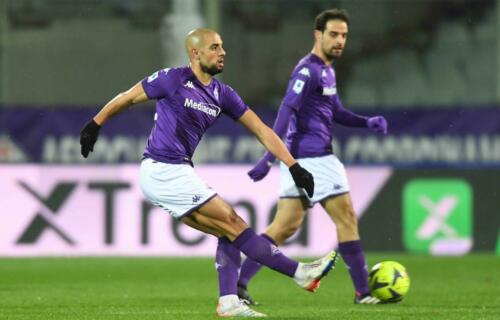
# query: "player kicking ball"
[[188, 101]]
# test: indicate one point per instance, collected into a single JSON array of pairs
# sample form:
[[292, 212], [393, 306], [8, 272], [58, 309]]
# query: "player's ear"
[[195, 54], [317, 35]]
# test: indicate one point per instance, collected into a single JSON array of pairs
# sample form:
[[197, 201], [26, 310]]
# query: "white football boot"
[[366, 299], [239, 309], [309, 275]]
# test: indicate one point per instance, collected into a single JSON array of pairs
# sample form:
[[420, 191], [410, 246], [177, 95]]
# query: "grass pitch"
[[167, 288]]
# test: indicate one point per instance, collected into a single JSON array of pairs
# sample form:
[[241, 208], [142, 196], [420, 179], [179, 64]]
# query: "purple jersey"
[[185, 109], [312, 95]]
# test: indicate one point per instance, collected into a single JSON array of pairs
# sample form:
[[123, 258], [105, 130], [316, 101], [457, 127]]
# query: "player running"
[[189, 101], [306, 115]]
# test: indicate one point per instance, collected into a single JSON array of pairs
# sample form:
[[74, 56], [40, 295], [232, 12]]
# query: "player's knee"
[[231, 224], [231, 217]]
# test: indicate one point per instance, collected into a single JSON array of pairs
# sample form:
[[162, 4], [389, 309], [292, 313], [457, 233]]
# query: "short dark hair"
[[327, 15]]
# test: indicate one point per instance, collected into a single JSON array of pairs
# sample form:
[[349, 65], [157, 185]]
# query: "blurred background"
[[430, 66], [400, 54]]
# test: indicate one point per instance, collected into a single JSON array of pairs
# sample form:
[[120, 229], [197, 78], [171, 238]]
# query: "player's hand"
[[88, 137], [377, 124], [302, 178], [260, 170]]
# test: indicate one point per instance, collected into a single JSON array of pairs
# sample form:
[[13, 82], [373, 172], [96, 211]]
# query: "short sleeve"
[[160, 84], [232, 104], [301, 82]]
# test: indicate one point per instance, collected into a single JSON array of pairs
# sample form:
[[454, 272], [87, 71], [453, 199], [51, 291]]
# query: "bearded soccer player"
[[188, 101], [307, 115]]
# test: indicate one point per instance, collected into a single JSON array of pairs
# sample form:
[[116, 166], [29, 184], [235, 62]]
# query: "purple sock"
[[227, 263], [250, 267], [257, 248], [352, 253]]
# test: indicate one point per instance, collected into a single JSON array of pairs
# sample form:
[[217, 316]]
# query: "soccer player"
[[307, 113], [189, 100]]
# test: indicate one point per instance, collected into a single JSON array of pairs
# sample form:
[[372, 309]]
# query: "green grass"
[[166, 288]]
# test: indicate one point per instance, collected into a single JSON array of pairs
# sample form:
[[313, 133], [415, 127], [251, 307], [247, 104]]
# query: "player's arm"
[[274, 144], [267, 137], [300, 84], [345, 117], [350, 119], [89, 133], [280, 127], [123, 100]]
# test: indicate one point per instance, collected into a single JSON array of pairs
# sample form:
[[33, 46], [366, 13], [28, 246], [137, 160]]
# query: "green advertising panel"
[[498, 245], [437, 216]]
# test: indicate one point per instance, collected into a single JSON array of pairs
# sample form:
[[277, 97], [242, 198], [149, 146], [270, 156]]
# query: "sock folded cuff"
[[268, 238], [243, 237], [350, 247]]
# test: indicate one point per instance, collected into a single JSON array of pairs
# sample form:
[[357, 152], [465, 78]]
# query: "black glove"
[[88, 137], [302, 178]]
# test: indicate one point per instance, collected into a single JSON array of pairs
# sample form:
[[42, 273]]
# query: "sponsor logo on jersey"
[[329, 91], [216, 93], [189, 84], [305, 72], [208, 108]]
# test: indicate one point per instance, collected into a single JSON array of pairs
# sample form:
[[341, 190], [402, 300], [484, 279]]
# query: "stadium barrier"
[[100, 210]]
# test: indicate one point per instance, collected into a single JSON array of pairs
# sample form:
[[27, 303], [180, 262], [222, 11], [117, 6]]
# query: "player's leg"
[[289, 216], [224, 219], [227, 264], [219, 215], [340, 209], [190, 221], [227, 259], [180, 192]]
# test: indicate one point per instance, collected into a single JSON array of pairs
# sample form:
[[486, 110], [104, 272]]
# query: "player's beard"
[[329, 55], [212, 70]]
